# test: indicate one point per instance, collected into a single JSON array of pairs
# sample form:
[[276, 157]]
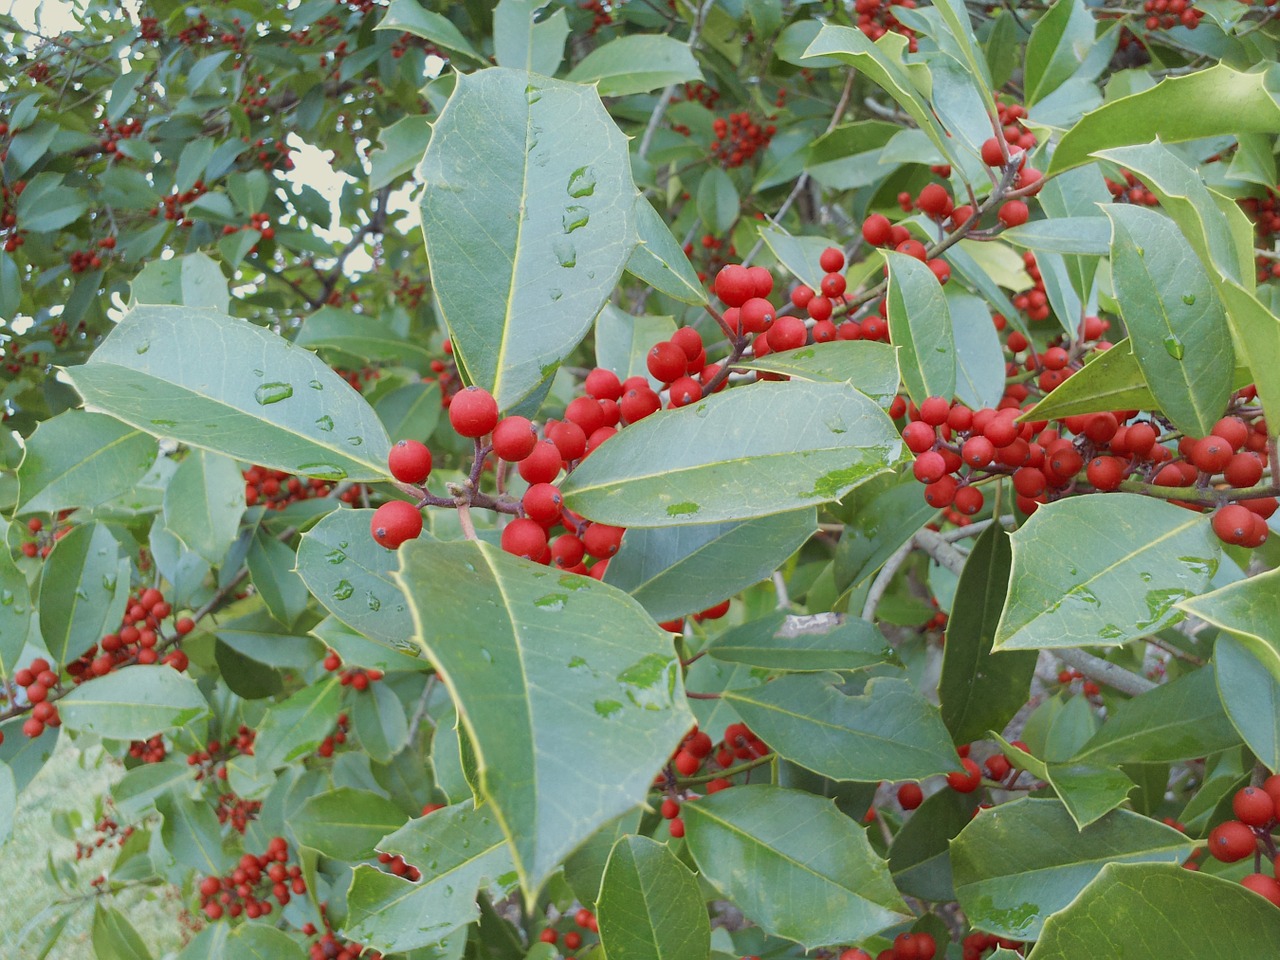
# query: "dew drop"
[[556, 294], [273, 392], [1141, 251], [532, 93], [574, 217], [257, 372], [315, 385], [343, 590], [565, 253], [7, 598], [355, 441], [142, 348], [373, 602], [335, 557], [488, 657], [325, 423], [1173, 346], [322, 471], [582, 183]]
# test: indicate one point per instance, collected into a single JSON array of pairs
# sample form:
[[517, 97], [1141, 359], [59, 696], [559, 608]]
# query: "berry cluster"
[[584, 919], [975, 944], [236, 810], [148, 751], [8, 209], [906, 946], [109, 832], [1132, 190], [330, 946], [212, 759], [877, 231], [739, 138], [335, 739], [354, 678], [1265, 214], [251, 886], [175, 203], [1251, 834], [113, 134], [1015, 131], [275, 489], [695, 751], [601, 14], [1033, 302], [875, 19], [397, 865], [1167, 14]]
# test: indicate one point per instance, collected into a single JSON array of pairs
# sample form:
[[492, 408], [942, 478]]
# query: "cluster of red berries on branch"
[[1034, 302], [175, 203], [1087, 687], [583, 919], [237, 811], [42, 540], [109, 833], [9, 195], [698, 752], [335, 739], [398, 866], [1167, 14], [601, 14], [151, 750], [212, 760], [876, 18], [112, 134], [1250, 833], [906, 946], [251, 887], [1131, 190], [975, 944], [1265, 214], [738, 138], [355, 678], [330, 946], [275, 489]]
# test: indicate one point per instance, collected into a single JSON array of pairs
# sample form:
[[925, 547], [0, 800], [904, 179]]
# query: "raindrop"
[[582, 183], [322, 471], [257, 372], [556, 294], [273, 392], [335, 557], [315, 385], [7, 598], [355, 441], [532, 93], [1173, 346], [325, 423], [1141, 252], [1188, 298], [488, 657], [343, 590], [373, 602], [574, 217], [142, 348], [565, 253]]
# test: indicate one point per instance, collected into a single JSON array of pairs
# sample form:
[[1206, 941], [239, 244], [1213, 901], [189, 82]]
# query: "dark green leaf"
[[361, 336], [867, 365], [919, 857], [294, 727], [83, 591], [133, 703], [718, 202], [270, 565], [79, 459], [822, 642], [659, 260], [203, 503], [408, 16], [712, 462], [226, 385], [525, 42], [650, 907], [920, 326], [1059, 44], [191, 834], [345, 823], [637, 63], [1250, 609]]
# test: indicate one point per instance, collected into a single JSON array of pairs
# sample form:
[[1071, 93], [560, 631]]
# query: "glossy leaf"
[[799, 255], [133, 703], [920, 326], [1168, 306], [650, 907], [782, 642], [1211, 102], [1152, 911], [979, 690], [226, 385], [718, 201], [458, 849], [408, 16], [411, 412], [674, 571], [1019, 862], [351, 576], [526, 40], [380, 724], [1088, 791], [920, 856], [1082, 235], [577, 658], [869, 366], [793, 864], [1178, 720], [280, 587], [623, 341], [888, 733], [80, 459], [1103, 570], [82, 592], [1251, 697], [529, 223], [191, 833], [979, 358], [294, 727], [357, 648], [1250, 609], [585, 867], [659, 260], [194, 280], [710, 462], [203, 503], [636, 63], [345, 823], [1059, 44], [360, 336]]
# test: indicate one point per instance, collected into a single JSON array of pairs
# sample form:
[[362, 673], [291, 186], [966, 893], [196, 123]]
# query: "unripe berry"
[[410, 462], [395, 522], [473, 412]]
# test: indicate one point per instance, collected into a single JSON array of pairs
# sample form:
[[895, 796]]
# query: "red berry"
[[966, 780], [542, 503], [756, 315], [542, 464], [601, 540], [1232, 841], [1233, 430], [473, 412], [638, 404], [1233, 523], [602, 384], [991, 153], [935, 410], [820, 309], [410, 461], [734, 285], [919, 436], [910, 796], [666, 361], [1263, 885], [1013, 213], [514, 438], [395, 522], [968, 500], [1253, 807], [929, 467], [1105, 473], [787, 333], [524, 538], [913, 248], [761, 281], [935, 200], [877, 230], [831, 259]]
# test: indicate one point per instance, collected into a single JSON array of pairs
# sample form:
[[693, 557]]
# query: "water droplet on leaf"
[[273, 392]]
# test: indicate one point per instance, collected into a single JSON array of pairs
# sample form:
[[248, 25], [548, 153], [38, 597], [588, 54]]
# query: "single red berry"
[[395, 522], [831, 259], [548, 936], [686, 390], [473, 412], [734, 285], [1233, 430], [910, 796], [666, 361], [1013, 213], [1233, 523], [410, 461], [676, 828], [966, 780], [761, 281], [833, 285], [524, 538], [929, 467], [1253, 807], [991, 153], [787, 333], [969, 500], [569, 438], [514, 438], [1263, 885], [935, 200], [877, 230], [601, 540], [913, 248], [572, 940], [1232, 841], [935, 410], [602, 384], [542, 464], [636, 404], [1105, 473], [584, 917], [756, 315], [819, 308], [919, 436]]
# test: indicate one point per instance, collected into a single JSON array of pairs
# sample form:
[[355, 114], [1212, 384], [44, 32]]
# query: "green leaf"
[[793, 864], [920, 857], [1019, 862], [114, 937], [15, 613], [1103, 569], [1175, 321], [191, 833], [203, 503], [380, 723], [528, 211], [8, 801], [294, 727], [572, 657], [400, 149], [522, 41], [848, 156], [881, 516], [1217, 101], [257, 941], [133, 703], [674, 571], [718, 202], [1251, 697], [226, 385], [408, 16], [798, 254], [79, 459], [352, 577], [659, 260], [1085, 235], [981, 691], [357, 648], [650, 907], [1178, 720], [637, 63], [869, 366], [623, 341], [361, 336], [1059, 44], [712, 462], [920, 326], [410, 412], [82, 592], [48, 203], [979, 357], [1250, 609], [194, 280], [882, 64], [1088, 791], [346, 824], [822, 642], [585, 867], [270, 565], [1151, 911], [458, 849], [888, 733]]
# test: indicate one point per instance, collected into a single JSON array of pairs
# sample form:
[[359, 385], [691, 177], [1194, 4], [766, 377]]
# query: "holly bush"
[[655, 478]]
